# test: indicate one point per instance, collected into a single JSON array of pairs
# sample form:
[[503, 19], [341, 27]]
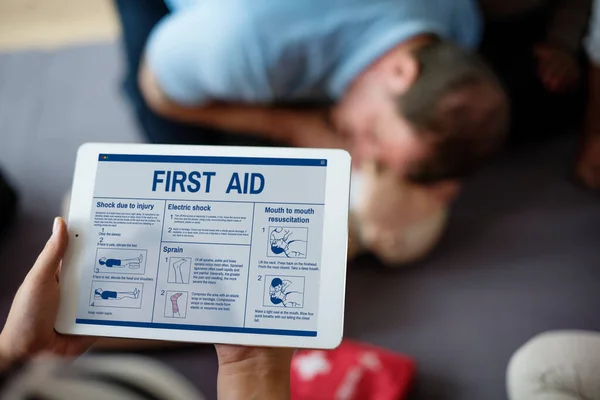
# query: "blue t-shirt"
[[263, 51], [111, 262]]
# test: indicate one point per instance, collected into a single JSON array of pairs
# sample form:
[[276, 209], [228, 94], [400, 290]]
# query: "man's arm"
[[296, 127]]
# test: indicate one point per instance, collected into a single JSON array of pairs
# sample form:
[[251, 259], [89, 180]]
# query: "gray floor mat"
[[520, 255]]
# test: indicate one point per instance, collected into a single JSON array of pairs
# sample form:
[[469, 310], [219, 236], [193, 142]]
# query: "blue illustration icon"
[[285, 291], [287, 242]]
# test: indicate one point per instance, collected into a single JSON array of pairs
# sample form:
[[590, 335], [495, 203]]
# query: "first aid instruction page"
[[222, 244]]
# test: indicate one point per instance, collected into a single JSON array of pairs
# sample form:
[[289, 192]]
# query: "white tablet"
[[238, 245]]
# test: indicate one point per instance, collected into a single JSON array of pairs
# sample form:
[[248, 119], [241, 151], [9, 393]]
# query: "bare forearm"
[[254, 385], [251, 373], [247, 373], [276, 124], [266, 123]]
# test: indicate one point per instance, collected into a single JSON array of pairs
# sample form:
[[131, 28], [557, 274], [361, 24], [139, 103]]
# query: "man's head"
[[276, 283], [429, 110]]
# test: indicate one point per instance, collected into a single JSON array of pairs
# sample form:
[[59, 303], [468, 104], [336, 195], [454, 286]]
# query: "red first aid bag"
[[353, 371]]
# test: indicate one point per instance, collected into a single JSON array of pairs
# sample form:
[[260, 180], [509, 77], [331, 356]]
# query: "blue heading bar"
[[305, 162]]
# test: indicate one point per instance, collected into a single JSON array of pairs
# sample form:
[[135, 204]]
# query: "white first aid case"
[[236, 245]]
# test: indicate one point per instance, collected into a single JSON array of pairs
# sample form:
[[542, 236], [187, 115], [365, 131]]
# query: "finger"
[[48, 261]]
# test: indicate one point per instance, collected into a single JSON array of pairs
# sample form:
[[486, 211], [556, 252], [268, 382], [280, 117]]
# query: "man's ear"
[[444, 192], [402, 71]]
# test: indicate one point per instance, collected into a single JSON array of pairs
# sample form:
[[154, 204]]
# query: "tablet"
[[236, 245]]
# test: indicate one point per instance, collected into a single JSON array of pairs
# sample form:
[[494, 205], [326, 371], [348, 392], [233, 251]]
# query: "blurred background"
[[30, 24], [520, 255]]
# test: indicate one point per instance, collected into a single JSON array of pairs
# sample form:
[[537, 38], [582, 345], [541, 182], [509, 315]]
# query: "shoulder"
[[211, 24], [459, 21], [467, 23], [192, 52]]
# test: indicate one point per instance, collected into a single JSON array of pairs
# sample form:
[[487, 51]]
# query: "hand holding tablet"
[[244, 372], [207, 244]]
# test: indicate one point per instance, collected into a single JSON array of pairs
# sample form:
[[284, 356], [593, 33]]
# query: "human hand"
[[588, 165], [253, 372], [557, 69], [29, 328]]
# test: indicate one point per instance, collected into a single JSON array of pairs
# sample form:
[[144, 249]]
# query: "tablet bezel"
[[333, 261]]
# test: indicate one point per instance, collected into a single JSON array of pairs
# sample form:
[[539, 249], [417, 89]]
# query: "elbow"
[[152, 94]]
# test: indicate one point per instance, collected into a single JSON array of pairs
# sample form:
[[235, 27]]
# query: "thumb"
[[49, 259]]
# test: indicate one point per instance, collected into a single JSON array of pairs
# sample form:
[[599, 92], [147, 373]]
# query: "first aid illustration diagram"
[[179, 269], [287, 242], [284, 291], [101, 294], [176, 304], [205, 243], [116, 294], [120, 261]]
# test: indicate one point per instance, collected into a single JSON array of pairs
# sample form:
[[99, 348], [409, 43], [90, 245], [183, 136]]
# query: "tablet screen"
[[221, 244]]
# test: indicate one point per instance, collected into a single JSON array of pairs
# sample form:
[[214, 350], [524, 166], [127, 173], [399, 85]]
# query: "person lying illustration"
[[280, 294], [133, 263], [100, 294], [281, 243]]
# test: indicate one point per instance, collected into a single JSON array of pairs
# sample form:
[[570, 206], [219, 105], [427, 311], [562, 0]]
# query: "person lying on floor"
[[37, 362], [399, 79]]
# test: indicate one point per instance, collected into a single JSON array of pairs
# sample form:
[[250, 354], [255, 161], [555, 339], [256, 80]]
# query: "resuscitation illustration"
[[116, 294], [179, 269], [120, 261], [284, 291], [176, 304], [287, 242]]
